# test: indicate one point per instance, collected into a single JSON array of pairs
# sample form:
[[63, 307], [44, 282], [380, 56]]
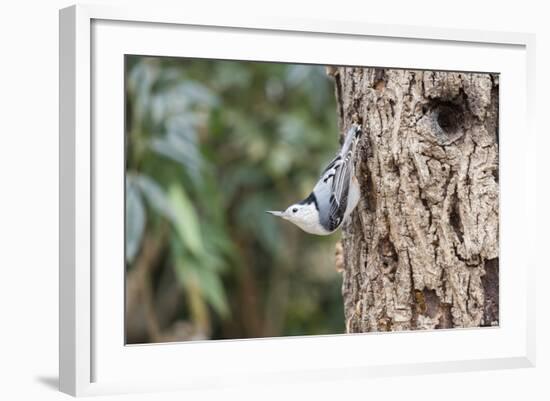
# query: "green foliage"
[[135, 220], [186, 221], [210, 146]]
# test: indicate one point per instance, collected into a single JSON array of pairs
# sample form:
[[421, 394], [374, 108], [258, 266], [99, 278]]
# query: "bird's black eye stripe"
[[294, 210]]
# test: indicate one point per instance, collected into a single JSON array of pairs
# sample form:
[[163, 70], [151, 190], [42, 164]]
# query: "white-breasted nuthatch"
[[334, 196]]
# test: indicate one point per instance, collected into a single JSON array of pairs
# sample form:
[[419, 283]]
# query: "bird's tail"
[[352, 137]]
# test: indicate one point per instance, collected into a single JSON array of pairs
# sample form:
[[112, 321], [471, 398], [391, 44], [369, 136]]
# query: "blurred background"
[[210, 146]]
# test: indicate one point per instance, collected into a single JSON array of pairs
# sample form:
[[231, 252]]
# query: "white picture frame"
[[93, 359]]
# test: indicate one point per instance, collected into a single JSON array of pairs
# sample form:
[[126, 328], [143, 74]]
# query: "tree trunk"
[[421, 249]]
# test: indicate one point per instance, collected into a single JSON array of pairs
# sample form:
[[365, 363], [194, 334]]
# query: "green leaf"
[[219, 242], [155, 196], [180, 150], [186, 220], [191, 272], [135, 220], [189, 281], [213, 291]]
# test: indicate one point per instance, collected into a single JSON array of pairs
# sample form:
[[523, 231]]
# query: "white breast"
[[309, 217], [309, 221]]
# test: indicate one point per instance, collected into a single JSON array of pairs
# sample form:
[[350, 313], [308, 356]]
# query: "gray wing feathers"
[[332, 189], [331, 193]]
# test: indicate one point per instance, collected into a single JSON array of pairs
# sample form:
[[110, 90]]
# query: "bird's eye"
[[294, 210]]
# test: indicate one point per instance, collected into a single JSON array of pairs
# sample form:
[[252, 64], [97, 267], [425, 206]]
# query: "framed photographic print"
[[273, 200]]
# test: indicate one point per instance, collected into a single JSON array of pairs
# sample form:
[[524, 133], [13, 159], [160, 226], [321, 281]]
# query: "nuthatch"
[[334, 196]]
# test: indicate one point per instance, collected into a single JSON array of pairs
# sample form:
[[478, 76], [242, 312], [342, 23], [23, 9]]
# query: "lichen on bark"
[[421, 250]]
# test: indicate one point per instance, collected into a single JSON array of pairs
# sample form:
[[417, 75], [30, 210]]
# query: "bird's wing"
[[337, 160], [334, 186]]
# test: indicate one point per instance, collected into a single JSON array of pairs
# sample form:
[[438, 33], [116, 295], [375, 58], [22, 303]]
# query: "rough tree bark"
[[421, 250]]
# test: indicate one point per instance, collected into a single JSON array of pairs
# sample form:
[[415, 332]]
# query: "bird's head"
[[301, 214], [292, 213]]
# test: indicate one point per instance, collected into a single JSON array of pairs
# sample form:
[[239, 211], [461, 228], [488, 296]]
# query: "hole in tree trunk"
[[449, 117]]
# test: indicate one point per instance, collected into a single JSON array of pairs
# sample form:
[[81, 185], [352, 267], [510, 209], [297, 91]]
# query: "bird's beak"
[[276, 213]]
